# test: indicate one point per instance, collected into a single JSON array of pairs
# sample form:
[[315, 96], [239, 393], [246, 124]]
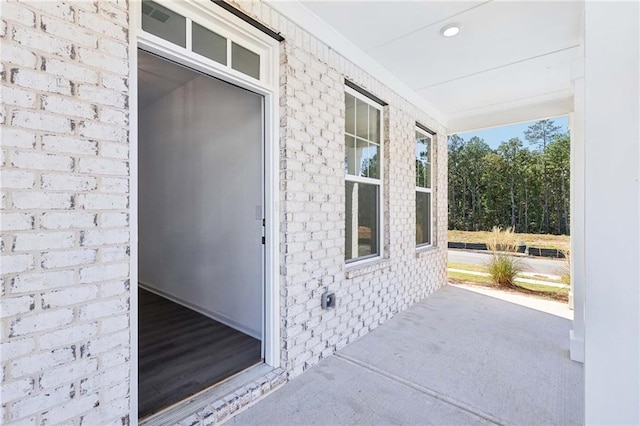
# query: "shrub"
[[502, 240], [503, 269], [502, 266]]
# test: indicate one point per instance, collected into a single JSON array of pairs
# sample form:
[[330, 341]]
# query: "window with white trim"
[[424, 185], [363, 176], [175, 23]]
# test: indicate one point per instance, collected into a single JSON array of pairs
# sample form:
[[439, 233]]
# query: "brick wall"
[[65, 229], [313, 202]]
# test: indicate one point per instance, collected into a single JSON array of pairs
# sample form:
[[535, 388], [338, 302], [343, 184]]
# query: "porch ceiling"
[[510, 62]]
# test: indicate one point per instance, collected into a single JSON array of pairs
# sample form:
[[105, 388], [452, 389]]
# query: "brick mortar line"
[[429, 392], [73, 61]]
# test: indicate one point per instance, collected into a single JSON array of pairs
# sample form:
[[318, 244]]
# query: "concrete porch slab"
[[337, 391], [458, 357]]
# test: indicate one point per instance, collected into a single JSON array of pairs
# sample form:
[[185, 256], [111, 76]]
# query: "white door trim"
[[268, 87]]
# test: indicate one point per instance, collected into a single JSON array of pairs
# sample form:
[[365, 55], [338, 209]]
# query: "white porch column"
[[576, 298], [612, 213]]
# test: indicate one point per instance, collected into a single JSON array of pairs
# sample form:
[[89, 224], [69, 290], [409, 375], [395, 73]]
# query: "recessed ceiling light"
[[450, 30]]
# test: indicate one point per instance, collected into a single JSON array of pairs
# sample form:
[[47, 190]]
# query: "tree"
[[522, 187], [495, 193], [540, 134], [456, 183], [557, 158], [511, 154], [470, 169]]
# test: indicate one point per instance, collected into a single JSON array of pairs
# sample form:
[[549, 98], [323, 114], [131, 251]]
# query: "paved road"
[[532, 264]]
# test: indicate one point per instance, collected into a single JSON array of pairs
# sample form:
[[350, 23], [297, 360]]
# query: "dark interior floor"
[[181, 352]]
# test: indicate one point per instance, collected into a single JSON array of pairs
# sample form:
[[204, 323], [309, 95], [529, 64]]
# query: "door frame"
[[209, 14]]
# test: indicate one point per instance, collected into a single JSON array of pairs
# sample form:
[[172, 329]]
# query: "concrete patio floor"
[[456, 358]]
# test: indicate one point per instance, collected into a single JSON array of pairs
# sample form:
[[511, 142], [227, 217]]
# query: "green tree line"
[[525, 187]]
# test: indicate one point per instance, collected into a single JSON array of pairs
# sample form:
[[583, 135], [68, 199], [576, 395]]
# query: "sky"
[[493, 137]]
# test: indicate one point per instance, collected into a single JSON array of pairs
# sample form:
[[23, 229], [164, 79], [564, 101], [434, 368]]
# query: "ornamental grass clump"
[[502, 240], [504, 269], [565, 271], [503, 266]]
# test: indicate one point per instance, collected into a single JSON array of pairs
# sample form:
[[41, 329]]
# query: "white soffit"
[[507, 52], [295, 11], [517, 111]]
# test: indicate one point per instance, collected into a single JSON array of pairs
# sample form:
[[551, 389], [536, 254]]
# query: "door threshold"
[[199, 401]]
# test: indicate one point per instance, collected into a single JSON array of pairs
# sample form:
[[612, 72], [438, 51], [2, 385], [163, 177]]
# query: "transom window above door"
[[196, 28]]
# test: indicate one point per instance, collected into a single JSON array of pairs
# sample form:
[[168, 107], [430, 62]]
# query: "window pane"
[[361, 152], [245, 61], [423, 160], [350, 112], [164, 23], [420, 147], [423, 218], [209, 44], [374, 125], [350, 154], [419, 173], [361, 220], [362, 119], [370, 161]]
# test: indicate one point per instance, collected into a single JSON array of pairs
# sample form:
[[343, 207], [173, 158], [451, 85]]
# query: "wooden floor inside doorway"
[[181, 352]]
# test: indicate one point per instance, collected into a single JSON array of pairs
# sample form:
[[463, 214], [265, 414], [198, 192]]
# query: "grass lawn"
[[461, 277], [483, 268], [532, 289], [476, 268], [545, 288], [560, 242]]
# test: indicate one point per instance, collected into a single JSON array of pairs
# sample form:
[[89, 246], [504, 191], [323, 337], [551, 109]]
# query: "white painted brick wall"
[[67, 220], [65, 229], [41, 281], [18, 97], [66, 336], [65, 224], [17, 179], [16, 222], [72, 71], [55, 143], [35, 200], [312, 203], [18, 56], [66, 182], [34, 80], [39, 121], [63, 259], [18, 138]]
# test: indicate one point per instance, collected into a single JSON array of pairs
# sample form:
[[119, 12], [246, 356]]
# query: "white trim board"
[[134, 16], [256, 334], [538, 107], [270, 92], [313, 24]]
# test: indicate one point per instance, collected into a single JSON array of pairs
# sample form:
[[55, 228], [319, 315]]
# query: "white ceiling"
[[158, 77], [507, 53]]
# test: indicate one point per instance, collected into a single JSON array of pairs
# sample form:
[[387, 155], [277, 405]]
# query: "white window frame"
[[234, 29], [221, 22], [358, 261], [429, 190]]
